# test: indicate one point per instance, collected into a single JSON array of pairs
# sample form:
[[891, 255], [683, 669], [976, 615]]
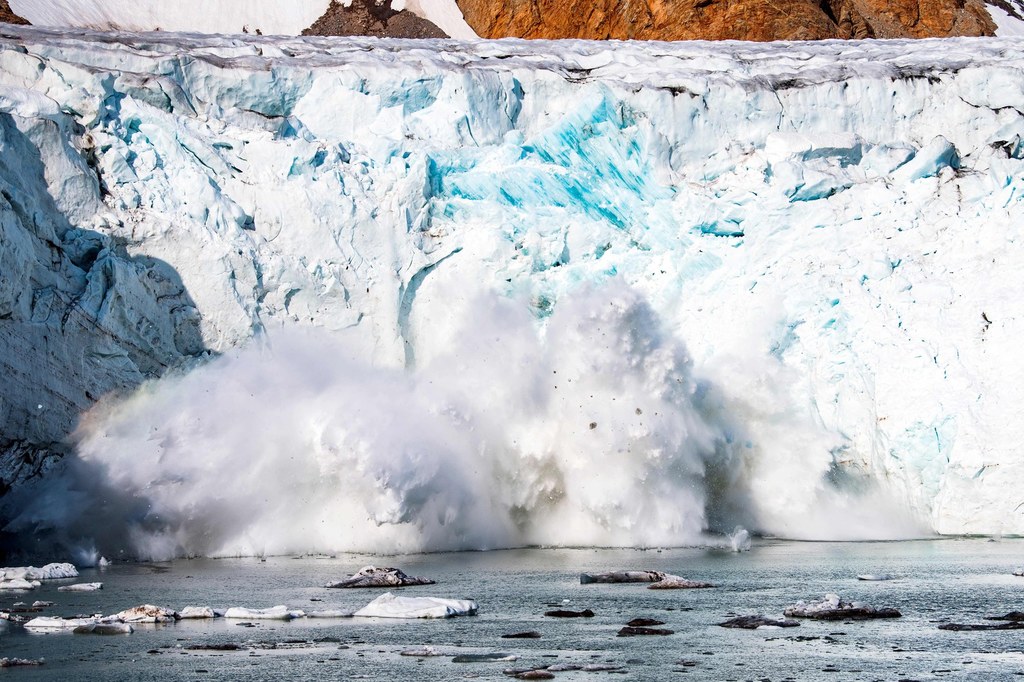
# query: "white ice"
[[273, 613], [389, 605], [81, 587]]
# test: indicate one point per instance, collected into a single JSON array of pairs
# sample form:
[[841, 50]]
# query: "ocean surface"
[[936, 581]]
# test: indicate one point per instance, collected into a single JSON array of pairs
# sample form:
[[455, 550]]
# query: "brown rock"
[[9, 17], [726, 19], [366, 18]]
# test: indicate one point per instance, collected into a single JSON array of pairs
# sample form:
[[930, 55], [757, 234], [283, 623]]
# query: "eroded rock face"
[[366, 18], [9, 17], [727, 19]]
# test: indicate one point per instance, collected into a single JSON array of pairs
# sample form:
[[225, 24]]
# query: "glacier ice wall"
[[821, 239]]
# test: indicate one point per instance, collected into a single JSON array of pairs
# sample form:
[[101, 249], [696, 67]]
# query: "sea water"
[[935, 581]]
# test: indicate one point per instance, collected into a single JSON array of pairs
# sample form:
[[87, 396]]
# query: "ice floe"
[[372, 576], [81, 587], [388, 605], [273, 613], [834, 608]]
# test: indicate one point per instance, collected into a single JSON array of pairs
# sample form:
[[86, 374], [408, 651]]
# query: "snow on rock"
[[372, 576], [388, 605], [804, 259], [81, 587], [147, 613], [272, 613], [834, 608]]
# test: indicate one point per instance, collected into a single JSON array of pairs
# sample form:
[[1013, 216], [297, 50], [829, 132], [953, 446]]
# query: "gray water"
[[959, 580]]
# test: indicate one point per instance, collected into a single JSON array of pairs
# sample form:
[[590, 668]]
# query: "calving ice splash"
[[408, 296]]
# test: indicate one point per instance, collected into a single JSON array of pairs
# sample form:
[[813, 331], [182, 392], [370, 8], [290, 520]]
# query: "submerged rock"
[[273, 613], [372, 576], [104, 628], [833, 608], [754, 622], [484, 658], [81, 587], [975, 627], [563, 613], [674, 582], [629, 631], [388, 605]]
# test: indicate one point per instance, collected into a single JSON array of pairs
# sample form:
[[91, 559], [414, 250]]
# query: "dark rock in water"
[[636, 631], [754, 622], [522, 635], [19, 662], [535, 675], [644, 622], [484, 658], [1015, 616], [622, 577], [372, 576], [215, 647], [562, 613], [976, 627], [833, 608]]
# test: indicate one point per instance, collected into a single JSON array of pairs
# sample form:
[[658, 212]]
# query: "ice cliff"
[[565, 293]]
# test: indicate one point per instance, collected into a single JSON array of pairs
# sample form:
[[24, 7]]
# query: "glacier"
[[280, 294]]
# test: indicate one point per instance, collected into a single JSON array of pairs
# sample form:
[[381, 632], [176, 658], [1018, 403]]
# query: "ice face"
[[782, 278]]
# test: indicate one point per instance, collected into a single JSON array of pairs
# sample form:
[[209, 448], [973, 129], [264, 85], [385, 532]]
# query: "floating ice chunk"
[[388, 605], [834, 608], [329, 613], [41, 604], [273, 613], [423, 652], [55, 623], [81, 587], [147, 613], [104, 628], [675, 582], [372, 576], [19, 584], [18, 662], [484, 658], [622, 577], [47, 572], [192, 612]]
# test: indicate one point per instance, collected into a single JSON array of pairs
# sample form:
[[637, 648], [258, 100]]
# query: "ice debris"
[[659, 580], [147, 613], [55, 623], [273, 613], [876, 577], [47, 572], [834, 608], [329, 613], [388, 605], [18, 662], [19, 584], [194, 612], [81, 587], [372, 576], [484, 658], [104, 628]]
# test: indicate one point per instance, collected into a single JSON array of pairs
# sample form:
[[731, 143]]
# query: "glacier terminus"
[[269, 295]]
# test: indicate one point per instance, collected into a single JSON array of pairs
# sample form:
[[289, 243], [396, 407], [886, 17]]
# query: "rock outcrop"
[[367, 18], [727, 19], [9, 17]]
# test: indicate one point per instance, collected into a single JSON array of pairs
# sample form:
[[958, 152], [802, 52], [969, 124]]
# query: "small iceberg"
[[19, 584], [147, 613], [372, 576], [388, 605], [273, 613], [659, 579], [81, 587], [196, 612], [674, 582], [47, 572], [55, 623], [834, 608]]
